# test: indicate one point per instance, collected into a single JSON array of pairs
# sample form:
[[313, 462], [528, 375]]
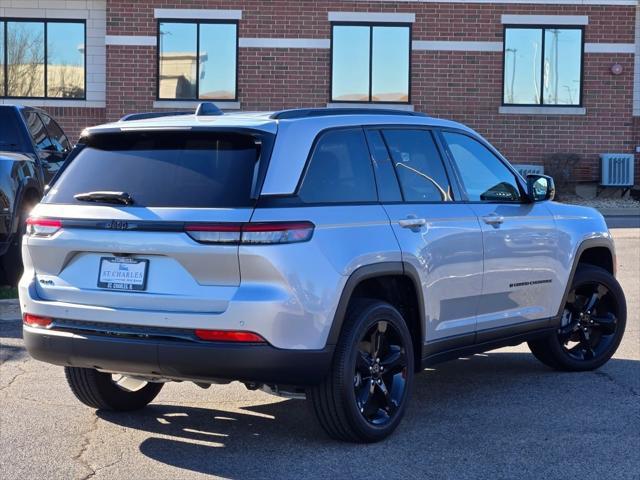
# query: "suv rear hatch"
[[148, 220]]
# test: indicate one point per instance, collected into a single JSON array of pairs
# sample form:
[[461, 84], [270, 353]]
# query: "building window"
[[197, 60], [542, 66], [42, 59], [370, 63]]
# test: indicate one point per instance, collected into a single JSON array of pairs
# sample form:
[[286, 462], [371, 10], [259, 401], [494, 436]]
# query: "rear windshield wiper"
[[121, 198]]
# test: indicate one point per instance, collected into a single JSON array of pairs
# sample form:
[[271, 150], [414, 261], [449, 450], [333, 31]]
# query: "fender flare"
[[29, 183], [371, 271], [584, 245]]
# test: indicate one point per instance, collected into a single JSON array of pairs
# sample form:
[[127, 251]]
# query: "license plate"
[[123, 273]]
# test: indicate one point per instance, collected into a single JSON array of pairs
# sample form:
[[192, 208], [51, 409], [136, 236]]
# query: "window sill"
[[193, 104], [542, 110], [392, 106], [52, 102]]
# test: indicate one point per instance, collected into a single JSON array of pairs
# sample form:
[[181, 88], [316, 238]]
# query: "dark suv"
[[33, 147]]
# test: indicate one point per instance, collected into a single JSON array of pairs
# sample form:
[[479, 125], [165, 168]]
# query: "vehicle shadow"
[[493, 414]]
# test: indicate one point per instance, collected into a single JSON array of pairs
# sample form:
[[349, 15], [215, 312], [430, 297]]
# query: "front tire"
[[105, 391], [365, 395], [592, 325]]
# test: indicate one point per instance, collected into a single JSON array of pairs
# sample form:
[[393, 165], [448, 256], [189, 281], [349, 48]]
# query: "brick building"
[[534, 76]]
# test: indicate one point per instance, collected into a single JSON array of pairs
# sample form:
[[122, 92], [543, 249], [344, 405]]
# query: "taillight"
[[276, 232], [266, 233], [42, 227], [36, 320], [214, 233], [229, 336]]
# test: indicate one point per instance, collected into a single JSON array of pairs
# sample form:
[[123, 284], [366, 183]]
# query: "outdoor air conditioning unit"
[[616, 169], [525, 170]]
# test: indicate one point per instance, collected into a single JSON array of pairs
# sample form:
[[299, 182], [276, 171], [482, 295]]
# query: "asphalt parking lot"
[[497, 415]]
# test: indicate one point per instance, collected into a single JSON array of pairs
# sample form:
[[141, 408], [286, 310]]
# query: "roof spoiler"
[[204, 109]]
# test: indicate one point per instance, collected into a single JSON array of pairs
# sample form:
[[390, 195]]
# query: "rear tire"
[[593, 324], [365, 395], [98, 390]]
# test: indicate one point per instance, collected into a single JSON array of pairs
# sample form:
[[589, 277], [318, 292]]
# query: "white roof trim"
[[459, 46], [541, 110], [193, 104], [545, 19], [135, 40], [609, 48], [320, 43], [584, 3], [197, 13], [372, 17]]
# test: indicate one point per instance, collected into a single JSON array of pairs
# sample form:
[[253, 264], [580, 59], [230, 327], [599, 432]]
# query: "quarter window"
[[542, 66], [38, 131], [418, 165], [197, 60], [339, 170], [484, 176], [58, 138], [42, 59], [370, 63]]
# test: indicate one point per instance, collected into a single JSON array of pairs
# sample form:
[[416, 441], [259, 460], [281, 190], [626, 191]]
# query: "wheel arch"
[[28, 190], [397, 283], [598, 252]]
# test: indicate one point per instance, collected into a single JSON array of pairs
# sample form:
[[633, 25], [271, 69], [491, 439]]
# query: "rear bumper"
[[179, 359]]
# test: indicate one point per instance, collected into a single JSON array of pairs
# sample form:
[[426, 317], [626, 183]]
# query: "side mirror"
[[540, 188]]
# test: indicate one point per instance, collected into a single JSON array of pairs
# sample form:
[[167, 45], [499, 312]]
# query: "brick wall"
[[464, 86]]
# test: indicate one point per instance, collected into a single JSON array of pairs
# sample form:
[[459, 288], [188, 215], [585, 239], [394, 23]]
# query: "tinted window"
[[10, 136], [217, 78], [370, 63], [37, 131], [25, 59], [65, 60], [339, 170], [57, 136], [1, 59], [202, 170], [418, 165], [23, 44], [552, 56], [388, 189], [197, 60], [484, 176]]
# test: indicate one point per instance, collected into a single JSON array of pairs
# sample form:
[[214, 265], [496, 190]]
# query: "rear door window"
[[418, 165], [165, 169], [339, 170]]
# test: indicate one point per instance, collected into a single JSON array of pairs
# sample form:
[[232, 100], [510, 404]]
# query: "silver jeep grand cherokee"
[[332, 253]]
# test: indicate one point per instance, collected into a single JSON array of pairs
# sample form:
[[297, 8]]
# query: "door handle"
[[493, 219], [412, 222]]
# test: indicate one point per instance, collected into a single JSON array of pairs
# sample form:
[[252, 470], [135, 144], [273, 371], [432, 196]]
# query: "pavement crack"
[[616, 382], [86, 443], [15, 377]]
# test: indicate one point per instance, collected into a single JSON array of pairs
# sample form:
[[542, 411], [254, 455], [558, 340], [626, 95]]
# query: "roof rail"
[[207, 109], [146, 115], [323, 112]]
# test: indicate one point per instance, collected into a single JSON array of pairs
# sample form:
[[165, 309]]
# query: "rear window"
[[10, 136], [166, 169]]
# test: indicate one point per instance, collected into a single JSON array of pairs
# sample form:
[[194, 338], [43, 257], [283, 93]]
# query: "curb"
[[619, 212]]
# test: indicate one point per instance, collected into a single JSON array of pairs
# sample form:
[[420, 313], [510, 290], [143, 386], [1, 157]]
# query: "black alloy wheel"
[[592, 324], [380, 373], [365, 395], [589, 322]]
